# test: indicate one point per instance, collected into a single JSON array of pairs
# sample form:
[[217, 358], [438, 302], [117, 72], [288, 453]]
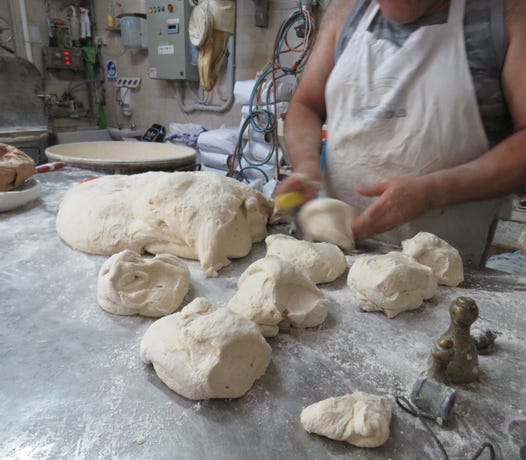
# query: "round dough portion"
[[322, 262], [391, 283], [195, 215], [129, 284], [205, 351], [328, 220], [359, 418], [437, 254], [272, 292]]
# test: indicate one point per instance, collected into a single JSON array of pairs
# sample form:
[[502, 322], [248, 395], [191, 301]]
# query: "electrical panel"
[[170, 53], [64, 58]]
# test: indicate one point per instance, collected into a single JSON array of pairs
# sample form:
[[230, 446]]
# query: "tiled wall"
[[155, 101]]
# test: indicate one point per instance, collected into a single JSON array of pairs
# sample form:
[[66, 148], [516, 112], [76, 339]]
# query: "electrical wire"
[[263, 109], [406, 405]]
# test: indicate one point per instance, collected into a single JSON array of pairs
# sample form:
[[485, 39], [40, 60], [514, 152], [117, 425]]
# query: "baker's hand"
[[305, 179], [400, 200]]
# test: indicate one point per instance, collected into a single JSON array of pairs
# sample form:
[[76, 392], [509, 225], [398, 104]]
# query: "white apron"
[[407, 111]]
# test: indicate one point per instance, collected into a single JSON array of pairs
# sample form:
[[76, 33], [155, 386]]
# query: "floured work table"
[[72, 384]]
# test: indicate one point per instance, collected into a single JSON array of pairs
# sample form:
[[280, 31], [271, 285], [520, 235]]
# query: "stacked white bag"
[[214, 148]]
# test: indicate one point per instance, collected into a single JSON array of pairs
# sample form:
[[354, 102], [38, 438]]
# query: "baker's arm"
[[500, 171], [306, 111]]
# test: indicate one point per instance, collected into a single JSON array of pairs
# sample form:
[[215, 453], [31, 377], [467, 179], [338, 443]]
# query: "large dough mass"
[[205, 351], [196, 215], [391, 283], [129, 284], [328, 220], [437, 254], [272, 291], [322, 262], [359, 418]]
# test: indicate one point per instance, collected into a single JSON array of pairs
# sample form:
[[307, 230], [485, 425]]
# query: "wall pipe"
[[25, 30], [179, 88]]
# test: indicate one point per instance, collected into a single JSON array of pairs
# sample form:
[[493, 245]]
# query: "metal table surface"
[[72, 384]]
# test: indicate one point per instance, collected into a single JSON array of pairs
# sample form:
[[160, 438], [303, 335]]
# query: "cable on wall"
[[292, 47]]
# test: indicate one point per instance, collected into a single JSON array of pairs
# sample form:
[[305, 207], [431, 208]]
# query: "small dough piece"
[[205, 351], [437, 254], [272, 291], [129, 284], [322, 262], [328, 220], [359, 418], [196, 215], [391, 283]]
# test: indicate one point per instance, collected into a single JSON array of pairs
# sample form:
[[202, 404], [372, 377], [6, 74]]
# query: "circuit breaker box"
[[170, 52], [63, 58]]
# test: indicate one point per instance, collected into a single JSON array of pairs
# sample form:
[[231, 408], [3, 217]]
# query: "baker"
[[425, 105]]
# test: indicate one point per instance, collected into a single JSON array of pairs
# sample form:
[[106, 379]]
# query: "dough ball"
[[322, 262], [129, 284], [328, 220], [272, 291], [205, 351], [196, 215], [391, 283], [359, 418], [437, 254]]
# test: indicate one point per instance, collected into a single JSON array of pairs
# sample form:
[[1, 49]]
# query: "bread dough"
[[196, 215], [205, 351], [328, 220], [15, 167], [272, 292], [391, 283], [359, 418], [129, 284], [437, 254], [321, 262]]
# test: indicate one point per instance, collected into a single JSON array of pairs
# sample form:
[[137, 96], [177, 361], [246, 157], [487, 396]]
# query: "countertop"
[[72, 384]]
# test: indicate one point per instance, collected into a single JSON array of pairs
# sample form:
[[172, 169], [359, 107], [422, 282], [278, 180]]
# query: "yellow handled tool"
[[289, 200]]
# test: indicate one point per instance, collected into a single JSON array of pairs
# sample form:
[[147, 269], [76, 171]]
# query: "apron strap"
[[367, 18], [456, 12]]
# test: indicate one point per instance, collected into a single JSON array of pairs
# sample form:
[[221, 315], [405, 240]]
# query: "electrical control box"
[[64, 58], [170, 52]]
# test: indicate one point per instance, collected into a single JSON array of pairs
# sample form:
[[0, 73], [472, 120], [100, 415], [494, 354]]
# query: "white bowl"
[[29, 191]]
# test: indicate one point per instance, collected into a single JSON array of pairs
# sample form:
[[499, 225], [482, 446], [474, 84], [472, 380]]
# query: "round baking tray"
[[124, 157]]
